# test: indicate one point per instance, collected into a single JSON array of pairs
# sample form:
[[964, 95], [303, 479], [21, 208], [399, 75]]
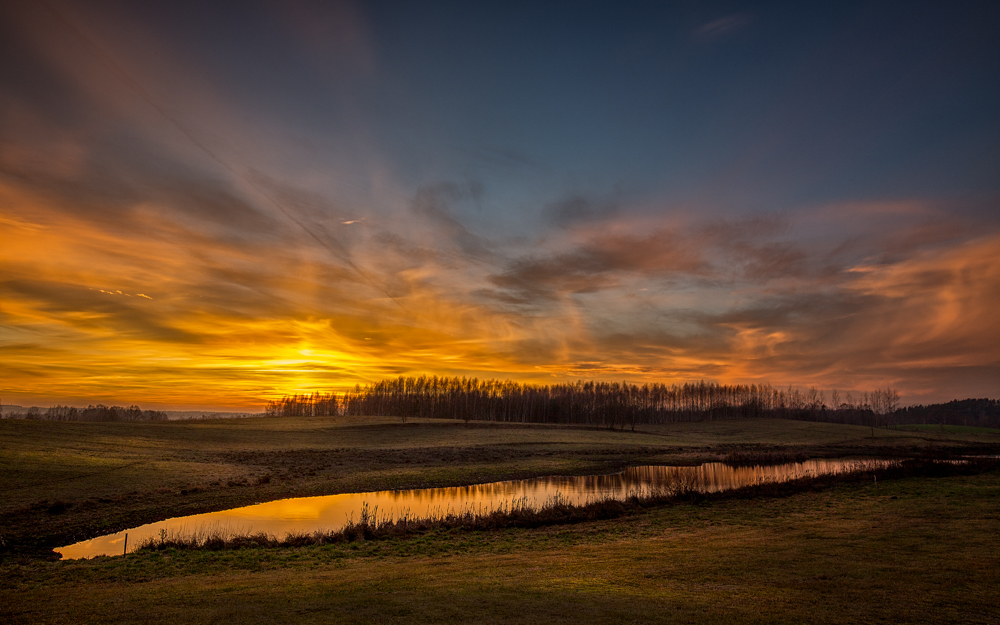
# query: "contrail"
[[337, 251]]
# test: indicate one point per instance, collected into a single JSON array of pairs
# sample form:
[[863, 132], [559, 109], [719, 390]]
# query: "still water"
[[309, 514]]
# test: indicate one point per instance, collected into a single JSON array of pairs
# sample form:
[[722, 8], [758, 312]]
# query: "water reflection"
[[309, 514]]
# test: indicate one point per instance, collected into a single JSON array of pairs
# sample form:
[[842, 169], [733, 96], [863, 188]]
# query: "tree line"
[[603, 404], [314, 405], [100, 412], [984, 413]]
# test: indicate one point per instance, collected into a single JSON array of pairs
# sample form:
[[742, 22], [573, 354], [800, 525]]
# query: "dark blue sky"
[[741, 106]]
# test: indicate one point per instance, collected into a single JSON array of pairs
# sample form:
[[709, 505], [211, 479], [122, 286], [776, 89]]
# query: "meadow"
[[916, 550]]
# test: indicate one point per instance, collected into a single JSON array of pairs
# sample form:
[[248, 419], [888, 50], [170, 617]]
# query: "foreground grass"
[[64, 482], [921, 550]]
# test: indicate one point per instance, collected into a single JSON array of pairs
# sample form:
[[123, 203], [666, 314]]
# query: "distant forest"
[[99, 412], [621, 405]]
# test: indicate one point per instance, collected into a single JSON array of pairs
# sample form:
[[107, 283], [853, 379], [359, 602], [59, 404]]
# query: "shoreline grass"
[[763, 458]]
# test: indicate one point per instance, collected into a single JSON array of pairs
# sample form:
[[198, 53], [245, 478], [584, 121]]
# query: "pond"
[[331, 512]]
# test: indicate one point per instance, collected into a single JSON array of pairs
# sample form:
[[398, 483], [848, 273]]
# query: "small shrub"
[[58, 507]]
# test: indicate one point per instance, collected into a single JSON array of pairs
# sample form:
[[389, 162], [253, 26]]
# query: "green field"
[[914, 550]]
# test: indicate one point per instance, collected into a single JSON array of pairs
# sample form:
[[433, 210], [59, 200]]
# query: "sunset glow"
[[331, 194]]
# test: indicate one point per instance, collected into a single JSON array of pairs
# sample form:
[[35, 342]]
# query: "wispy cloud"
[[728, 300], [717, 28]]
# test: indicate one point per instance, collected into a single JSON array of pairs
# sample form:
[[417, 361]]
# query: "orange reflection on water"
[[332, 512]]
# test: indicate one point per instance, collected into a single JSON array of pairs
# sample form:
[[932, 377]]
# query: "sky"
[[211, 205]]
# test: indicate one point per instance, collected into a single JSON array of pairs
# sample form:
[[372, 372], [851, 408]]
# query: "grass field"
[[915, 550], [63, 482], [919, 550]]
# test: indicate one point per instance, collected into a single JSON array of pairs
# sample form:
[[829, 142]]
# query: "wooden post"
[[125, 550]]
